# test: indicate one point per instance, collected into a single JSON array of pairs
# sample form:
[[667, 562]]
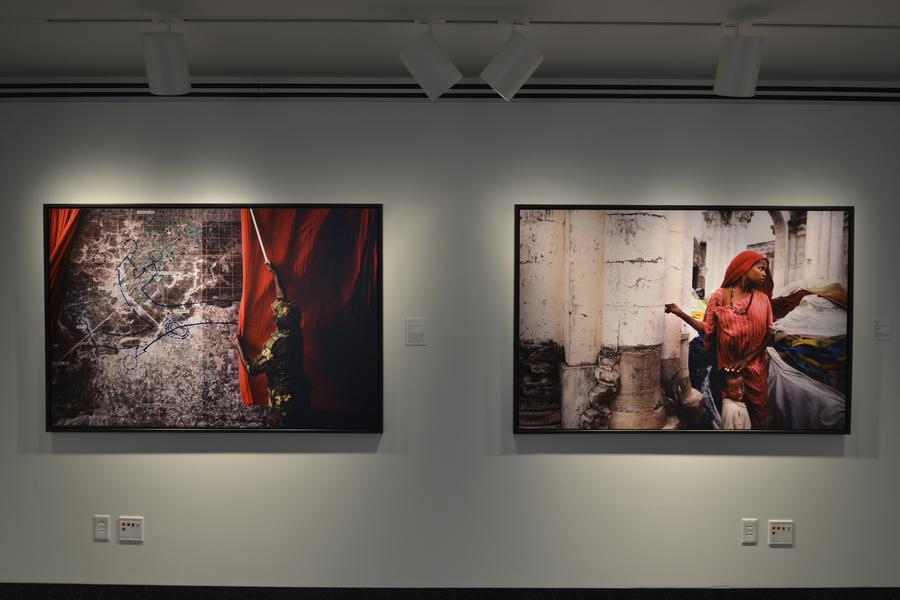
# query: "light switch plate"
[[101, 528], [131, 530], [749, 531]]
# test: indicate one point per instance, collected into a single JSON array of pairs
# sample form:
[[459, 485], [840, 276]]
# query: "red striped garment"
[[736, 335]]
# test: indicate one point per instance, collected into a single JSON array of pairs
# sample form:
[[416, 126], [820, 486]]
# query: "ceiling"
[[806, 40]]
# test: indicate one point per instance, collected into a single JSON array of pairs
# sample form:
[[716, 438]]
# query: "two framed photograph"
[[214, 317], [683, 318], [627, 318]]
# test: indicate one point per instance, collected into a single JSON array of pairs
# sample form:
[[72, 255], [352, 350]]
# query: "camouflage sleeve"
[[263, 362], [282, 307]]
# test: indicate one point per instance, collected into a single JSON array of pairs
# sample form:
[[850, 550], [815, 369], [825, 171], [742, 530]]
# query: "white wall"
[[447, 496]]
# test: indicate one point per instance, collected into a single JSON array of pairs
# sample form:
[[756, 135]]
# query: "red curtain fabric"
[[61, 224], [328, 263]]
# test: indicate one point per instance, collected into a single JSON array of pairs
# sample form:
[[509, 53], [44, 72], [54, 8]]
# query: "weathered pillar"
[[542, 284], [824, 247], [584, 303], [816, 252], [779, 270], [634, 275], [677, 282], [836, 271], [726, 236], [675, 376], [542, 256], [796, 245]]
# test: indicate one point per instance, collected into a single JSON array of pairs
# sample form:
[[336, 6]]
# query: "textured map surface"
[[150, 304]]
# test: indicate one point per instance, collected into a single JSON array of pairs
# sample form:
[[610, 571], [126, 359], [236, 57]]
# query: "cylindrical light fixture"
[[165, 59], [430, 66], [738, 68], [512, 66]]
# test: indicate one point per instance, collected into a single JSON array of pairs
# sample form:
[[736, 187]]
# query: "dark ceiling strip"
[[407, 21], [388, 87], [87, 86], [301, 86], [411, 20], [449, 96], [250, 85], [612, 86], [810, 88], [94, 20]]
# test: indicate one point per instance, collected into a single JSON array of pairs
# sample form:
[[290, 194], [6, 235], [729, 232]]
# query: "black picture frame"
[[347, 322], [543, 385]]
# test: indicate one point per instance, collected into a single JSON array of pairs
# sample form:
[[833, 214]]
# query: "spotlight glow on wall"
[[165, 59], [512, 66], [430, 66], [737, 71]]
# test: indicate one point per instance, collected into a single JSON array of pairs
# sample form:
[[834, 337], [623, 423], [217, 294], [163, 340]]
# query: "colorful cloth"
[[800, 402], [736, 331], [823, 359]]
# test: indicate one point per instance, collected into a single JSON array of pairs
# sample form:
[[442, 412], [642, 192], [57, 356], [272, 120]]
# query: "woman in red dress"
[[737, 327]]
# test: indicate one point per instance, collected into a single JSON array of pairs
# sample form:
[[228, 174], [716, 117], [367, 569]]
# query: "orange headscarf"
[[740, 264]]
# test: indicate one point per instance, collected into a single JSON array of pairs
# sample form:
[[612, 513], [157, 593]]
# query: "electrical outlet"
[[131, 530], [781, 532], [101, 528], [749, 531]]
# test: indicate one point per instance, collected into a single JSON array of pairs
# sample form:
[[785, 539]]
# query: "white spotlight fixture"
[[738, 69], [512, 66], [165, 59], [430, 66]]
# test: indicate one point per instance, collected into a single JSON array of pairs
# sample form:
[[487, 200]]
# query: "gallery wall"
[[447, 495]]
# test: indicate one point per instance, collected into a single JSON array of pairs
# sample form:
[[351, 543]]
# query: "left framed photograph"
[[173, 317]]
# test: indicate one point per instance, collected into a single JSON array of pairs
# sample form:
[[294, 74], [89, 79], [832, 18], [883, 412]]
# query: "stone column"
[[542, 283], [542, 293], [796, 226], [584, 241], [679, 258], [678, 262], [816, 252], [584, 302], [634, 279], [780, 268], [824, 247], [836, 248], [726, 232]]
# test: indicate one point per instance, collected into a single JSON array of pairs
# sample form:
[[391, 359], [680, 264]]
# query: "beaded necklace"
[[739, 312]]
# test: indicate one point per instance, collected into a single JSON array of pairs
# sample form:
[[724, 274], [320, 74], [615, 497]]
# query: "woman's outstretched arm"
[[674, 309]]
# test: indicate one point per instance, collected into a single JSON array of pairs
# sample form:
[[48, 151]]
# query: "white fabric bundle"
[[815, 317]]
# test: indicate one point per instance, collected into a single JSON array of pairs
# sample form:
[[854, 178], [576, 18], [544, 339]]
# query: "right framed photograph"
[[683, 318]]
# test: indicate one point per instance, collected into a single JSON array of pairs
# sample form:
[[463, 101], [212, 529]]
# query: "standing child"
[[734, 411]]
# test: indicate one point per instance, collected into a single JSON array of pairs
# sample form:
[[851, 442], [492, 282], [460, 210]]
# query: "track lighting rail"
[[464, 91], [447, 21]]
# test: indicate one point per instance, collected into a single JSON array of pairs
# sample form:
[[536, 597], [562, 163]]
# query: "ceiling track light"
[[513, 65], [430, 66], [740, 58], [166, 63]]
